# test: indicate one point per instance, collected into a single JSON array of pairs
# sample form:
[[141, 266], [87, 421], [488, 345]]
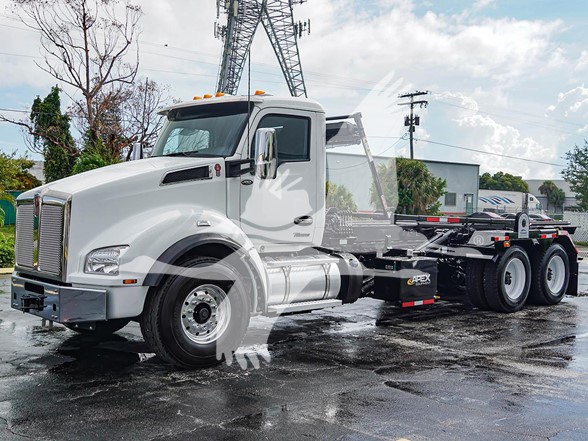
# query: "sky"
[[506, 77]]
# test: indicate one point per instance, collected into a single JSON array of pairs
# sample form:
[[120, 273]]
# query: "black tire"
[[551, 276], [101, 329], [507, 282], [206, 292], [475, 284]]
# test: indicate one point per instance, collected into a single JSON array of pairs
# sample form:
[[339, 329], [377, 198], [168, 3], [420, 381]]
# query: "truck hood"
[[146, 174]]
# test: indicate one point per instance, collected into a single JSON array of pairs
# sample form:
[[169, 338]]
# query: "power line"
[[490, 153], [533, 115], [364, 163], [522, 121]]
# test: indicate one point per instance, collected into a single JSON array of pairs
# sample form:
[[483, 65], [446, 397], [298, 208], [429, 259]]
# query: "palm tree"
[[546, 189], [557, 197]]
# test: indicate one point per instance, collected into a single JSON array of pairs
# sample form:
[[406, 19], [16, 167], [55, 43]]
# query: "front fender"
[[248, 255], [154, 236]]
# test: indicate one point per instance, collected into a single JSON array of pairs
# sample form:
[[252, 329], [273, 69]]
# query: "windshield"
[[211, 130]]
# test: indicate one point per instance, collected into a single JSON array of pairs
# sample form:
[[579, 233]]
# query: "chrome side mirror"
[[266, 154], [137, 152]]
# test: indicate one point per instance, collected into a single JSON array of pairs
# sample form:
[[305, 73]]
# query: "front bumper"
[[60, 304]]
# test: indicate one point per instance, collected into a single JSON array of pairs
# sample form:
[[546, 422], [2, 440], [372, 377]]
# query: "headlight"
[[105, 260]]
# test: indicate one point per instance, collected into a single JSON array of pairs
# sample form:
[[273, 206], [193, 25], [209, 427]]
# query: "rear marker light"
[[217, 169], [451, 220], [418, 303]]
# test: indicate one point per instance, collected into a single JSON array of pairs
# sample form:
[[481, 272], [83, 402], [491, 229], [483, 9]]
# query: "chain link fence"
[[581, 220]]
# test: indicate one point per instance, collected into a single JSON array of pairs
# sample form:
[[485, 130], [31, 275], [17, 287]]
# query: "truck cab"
[[92, 250]]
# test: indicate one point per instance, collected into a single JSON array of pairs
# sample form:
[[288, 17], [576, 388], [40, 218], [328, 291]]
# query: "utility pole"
[[412, 120]]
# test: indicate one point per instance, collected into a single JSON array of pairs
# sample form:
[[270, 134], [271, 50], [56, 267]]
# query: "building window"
[[451, 199]]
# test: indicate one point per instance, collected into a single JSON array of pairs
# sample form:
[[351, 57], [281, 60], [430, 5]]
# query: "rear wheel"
[[551, 276], [101, 329], [507, 282], [475, 284], [199, 316]]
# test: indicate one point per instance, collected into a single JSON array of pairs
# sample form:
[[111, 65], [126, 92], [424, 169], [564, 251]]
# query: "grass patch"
[[7, 246], [7, 230], [583, 244]]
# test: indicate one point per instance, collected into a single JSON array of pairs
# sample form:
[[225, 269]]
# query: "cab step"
[[303, 306]]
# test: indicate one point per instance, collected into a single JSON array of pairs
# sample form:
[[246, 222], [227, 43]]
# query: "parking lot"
[[363, 371]]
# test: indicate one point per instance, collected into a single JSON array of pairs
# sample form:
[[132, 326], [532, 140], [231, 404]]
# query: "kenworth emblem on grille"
[[37, 204]]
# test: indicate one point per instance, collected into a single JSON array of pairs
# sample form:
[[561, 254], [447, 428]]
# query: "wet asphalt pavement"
[[360, 372]]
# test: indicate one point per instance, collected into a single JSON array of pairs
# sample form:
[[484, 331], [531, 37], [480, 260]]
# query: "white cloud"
[[571, 109], [498, 139], [481, 4], [582, 62]]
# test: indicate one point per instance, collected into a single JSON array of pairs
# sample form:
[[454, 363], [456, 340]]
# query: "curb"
[[6, 271]]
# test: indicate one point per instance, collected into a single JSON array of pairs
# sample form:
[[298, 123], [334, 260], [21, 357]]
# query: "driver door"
[[278, 214]]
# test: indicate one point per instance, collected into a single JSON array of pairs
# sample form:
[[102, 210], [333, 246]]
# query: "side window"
[[293, 136]]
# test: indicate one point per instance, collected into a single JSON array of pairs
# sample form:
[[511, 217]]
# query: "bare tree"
[[127, 116], [143, 122], [85, 44]]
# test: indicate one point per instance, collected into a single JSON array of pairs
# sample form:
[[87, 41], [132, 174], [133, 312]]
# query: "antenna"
[[243, 19]]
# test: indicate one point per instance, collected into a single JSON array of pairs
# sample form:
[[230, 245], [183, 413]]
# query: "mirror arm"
[[234, 169]]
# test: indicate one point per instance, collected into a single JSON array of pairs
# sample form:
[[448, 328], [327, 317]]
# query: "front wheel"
[[551, 276], [507, 282], [199, 316]]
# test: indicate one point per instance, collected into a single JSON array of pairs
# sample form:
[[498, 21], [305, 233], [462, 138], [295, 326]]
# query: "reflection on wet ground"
[[363, 371]]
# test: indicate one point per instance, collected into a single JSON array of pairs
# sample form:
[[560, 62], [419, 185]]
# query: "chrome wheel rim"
[[205, 314], [556, 274], [515, 278]]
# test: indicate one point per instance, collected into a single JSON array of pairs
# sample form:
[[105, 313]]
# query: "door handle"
[[303, 220]]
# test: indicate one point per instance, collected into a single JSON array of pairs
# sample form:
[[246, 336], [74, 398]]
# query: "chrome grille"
[[51, 238], [25, 240]]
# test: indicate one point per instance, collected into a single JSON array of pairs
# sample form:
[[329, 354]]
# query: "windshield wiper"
[[194, 154], [183, 154]]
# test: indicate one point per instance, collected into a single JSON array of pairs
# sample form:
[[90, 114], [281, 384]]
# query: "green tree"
[[547, 188], [503, 181], [576, 173], [91, 159], [14, 173], [557, 198], [410, 186], [339, 197], [52, 136]]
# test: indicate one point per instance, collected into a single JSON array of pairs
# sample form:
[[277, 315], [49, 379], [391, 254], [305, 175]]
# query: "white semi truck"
[[500, 201], [227, 220]]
